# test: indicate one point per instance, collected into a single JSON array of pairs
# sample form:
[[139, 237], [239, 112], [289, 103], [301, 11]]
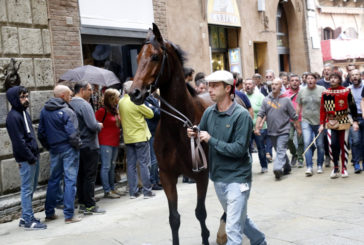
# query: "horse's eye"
[[155, 57]]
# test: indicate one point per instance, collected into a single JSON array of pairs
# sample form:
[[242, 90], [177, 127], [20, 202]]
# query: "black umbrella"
[[91, 74]]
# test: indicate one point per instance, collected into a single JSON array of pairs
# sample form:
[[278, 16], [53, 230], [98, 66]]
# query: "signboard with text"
[[223, 12]]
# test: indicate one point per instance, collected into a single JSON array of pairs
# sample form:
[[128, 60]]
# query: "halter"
[[153, 86]]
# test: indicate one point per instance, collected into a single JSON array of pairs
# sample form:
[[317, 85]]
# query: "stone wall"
[[44, 36]]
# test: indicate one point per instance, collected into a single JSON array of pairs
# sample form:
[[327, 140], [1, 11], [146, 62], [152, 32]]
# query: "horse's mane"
[[190, 89]]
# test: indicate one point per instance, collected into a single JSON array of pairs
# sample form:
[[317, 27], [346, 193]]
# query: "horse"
[[160, 65]]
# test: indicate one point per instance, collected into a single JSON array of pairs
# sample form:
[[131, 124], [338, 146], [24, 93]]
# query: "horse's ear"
[[157, 33]]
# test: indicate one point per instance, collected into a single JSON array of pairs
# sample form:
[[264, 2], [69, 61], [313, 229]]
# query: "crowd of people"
[[81, 129], [303, 114]]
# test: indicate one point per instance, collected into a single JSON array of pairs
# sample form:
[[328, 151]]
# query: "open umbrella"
[[91, 74]]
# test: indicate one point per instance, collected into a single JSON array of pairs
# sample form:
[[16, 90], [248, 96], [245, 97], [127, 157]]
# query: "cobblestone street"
[[295, 210]]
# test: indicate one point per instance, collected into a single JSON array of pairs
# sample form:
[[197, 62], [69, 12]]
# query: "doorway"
[[260, 55]]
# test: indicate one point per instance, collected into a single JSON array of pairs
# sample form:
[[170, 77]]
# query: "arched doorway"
[[282, 39]]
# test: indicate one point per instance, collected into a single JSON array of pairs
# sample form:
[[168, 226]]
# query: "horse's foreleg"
[[200, 210], [169, 186]]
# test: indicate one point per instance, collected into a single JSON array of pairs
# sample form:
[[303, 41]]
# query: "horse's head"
[[152, 60]]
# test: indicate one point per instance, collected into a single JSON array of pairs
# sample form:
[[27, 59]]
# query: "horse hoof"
[[221, 238]]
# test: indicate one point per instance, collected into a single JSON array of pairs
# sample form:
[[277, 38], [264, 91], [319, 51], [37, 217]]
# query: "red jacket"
[[110, 133]]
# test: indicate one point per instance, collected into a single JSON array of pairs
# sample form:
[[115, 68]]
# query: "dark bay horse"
[[160, 65]]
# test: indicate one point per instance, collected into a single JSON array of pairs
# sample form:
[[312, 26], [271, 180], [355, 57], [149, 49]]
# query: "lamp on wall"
[[261, 5]]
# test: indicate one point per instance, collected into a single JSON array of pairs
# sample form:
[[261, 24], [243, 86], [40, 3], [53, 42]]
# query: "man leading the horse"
[[226, 127]]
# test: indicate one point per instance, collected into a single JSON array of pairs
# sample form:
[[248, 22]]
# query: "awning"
[[342, 49]]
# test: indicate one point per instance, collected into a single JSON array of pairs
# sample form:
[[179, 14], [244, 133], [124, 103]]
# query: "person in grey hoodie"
[[89, 151], [58, 133], [278, 111]]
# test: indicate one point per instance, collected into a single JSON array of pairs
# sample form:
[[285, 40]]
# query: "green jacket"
[[229, 158]]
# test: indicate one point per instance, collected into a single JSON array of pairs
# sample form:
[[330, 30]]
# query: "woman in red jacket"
[[336, 104], [109, 139]]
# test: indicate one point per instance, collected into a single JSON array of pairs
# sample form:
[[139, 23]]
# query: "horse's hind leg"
[[169, 186], [200, 211]]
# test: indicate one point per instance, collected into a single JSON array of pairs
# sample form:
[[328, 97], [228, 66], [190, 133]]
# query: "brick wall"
[[64, 23], [160, 16]]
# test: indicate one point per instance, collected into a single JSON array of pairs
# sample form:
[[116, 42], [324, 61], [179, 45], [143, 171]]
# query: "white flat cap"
[[127, 85], [221, 76]]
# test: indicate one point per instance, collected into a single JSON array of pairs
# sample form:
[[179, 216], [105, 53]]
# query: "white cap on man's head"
[[221, 76], [127, 85]]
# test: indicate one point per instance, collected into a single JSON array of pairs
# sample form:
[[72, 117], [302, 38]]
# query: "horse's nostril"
[[135, 93]]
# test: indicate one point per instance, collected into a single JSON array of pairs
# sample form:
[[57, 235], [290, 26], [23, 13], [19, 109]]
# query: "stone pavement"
[[295, 210]]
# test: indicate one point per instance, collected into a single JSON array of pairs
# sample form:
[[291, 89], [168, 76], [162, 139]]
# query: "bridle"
[[197, 152], [153, 86]]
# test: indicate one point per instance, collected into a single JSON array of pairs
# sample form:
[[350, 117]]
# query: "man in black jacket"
[[25, 150]]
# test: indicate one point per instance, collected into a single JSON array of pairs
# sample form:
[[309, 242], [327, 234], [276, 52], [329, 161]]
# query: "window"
[[328, 33]]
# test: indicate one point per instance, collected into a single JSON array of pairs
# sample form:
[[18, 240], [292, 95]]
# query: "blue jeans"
[[268, 144], [259, 141], [310, 131], [138, 152], [280, 145], [29, 180], [64, 164], [357, 142], [235, 203], [108, 158], [154, 174]]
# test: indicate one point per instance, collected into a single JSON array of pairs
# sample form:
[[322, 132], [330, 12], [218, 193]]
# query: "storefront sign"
[[234, 60], [118, 14], [223, 12]]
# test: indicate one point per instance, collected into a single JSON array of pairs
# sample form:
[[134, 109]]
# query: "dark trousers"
[[87, 176]]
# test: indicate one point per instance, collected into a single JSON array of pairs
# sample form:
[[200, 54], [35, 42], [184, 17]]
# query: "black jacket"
[[25, 147]]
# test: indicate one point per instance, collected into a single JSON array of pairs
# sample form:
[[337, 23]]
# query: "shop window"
[[221, 40]]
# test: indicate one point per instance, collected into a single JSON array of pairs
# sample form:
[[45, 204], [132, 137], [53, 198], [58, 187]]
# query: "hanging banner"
[[234, 60], [223, 12]]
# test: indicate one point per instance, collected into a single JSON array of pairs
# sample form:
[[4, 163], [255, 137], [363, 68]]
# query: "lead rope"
[[197, 150]]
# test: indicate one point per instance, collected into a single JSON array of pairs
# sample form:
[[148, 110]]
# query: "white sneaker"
[[319, 170], [264, 170], [334, 175], [344, 173], [309, 172]]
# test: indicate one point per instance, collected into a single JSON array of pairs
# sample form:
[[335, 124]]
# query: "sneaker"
[[264, 170], [136, 195], [278, 174], [309, 172], [269, 157], [149, 195], [293, 161], [34, 225], [334, 174], [319, 170], [327, 161], [344, 173], [21, 222], [118, 192], [74, 219], [300, 164], [94, 210], [81, 209], [157, 188], [111, 195], [51, 218], [357, 169]]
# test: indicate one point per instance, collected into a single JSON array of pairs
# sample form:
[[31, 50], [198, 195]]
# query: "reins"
[[197, 151]]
